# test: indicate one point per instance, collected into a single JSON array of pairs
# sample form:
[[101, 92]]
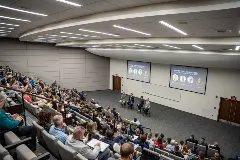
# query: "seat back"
[[80, 157], [163, 157], [190, 144], [201, 148], [10, 138], [51, 143], [148, 154], [8, 157], [175, 157], [211, 152], [39, 133], [3, 152], [66, 153], [161, 152], [24, 153]]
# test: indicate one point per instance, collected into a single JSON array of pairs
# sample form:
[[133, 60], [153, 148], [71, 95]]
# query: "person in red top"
[[28, 98], [159, 144]]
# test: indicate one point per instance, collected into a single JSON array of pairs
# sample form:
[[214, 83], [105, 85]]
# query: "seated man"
[[12, 123], [140, 105], [176, 152], [146, 107], [130, 101], [58, 129], [171, 145], [126, 152], [142, 141], [123, 99], [109, 139], [76, 142]]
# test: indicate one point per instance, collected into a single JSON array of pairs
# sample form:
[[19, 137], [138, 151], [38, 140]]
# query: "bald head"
[[126, 150]]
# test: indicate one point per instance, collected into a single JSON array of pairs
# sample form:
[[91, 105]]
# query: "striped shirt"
[[59, 133]]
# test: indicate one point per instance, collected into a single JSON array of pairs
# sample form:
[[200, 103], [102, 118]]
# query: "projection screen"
[[139, 71], [188, 78]]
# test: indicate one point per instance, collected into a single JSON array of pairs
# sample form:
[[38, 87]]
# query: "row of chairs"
[[208, 151], [55, 147], [16, 146]]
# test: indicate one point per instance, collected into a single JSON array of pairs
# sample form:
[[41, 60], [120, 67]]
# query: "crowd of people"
[[110, 130]]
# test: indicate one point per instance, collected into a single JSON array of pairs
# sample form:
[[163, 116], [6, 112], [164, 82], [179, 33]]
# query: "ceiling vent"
[[182, 22], [225, 31]]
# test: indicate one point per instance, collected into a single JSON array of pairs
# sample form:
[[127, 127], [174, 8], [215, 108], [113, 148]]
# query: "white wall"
[[68, 66], [221, 83]]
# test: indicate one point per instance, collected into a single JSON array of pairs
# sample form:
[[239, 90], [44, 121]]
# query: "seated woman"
[[91, 131], [45, 119], [147, 106], [159, 143], [123, 99]]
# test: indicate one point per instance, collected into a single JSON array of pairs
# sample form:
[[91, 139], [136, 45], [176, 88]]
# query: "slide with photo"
[[189, 78], [140, 71]]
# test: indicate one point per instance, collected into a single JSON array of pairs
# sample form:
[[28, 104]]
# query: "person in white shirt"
[[147, 106], [77, 142]]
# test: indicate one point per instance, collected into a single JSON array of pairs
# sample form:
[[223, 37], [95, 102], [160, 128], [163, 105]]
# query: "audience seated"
[[192, 139], [159, 143], [215, 146], [142, 141], [13, 123], [149, 140], [136, 122], [58, 129], [202, 142], [91, 131], [171, 145], [126, 152], [155, 136], [44, 119], [77, 142], [109, 139], [176, 151], [201, 156]]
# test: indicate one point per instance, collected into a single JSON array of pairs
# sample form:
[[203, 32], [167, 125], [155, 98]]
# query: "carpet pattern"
[[177, 124]]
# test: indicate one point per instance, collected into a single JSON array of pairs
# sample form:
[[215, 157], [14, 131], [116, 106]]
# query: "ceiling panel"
[[101, 6]]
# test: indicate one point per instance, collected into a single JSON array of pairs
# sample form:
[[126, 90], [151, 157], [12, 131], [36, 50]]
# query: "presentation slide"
[[139, 71], [188, 78]]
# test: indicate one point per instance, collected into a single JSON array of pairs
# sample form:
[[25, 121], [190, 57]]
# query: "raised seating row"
[[55, 147]]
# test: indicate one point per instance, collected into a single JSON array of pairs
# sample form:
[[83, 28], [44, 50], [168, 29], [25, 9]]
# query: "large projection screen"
[[191, 79], [139, 71]]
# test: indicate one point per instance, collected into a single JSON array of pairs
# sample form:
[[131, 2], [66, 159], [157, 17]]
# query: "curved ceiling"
[[169, 26]]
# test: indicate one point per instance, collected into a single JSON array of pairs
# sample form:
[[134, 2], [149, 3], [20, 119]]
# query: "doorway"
[[229, 111], [117, 83]]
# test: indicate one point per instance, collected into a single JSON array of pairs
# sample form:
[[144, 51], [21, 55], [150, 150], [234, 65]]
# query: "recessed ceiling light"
[[128, 29], [66, 33], [70, 3], [8, 24], [198, 47], [109, 34], [6, 28], [171, 46], [40, 36], [17, 19], [172, 27], [237, 48], [20, 10], [4, 31]]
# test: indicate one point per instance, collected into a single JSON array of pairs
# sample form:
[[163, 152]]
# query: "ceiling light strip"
[[170, 46], [132, 30], [198, 47], [237, 48], [6, 28], [20, 10], [70, 3], [17, 19], [109, 34], [8, 24], [172, 27]]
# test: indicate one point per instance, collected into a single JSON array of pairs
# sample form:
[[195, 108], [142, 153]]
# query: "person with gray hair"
[[76, 141], [13, 123], [58, 129]]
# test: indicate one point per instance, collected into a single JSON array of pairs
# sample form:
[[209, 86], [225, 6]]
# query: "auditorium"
[[119, 79]]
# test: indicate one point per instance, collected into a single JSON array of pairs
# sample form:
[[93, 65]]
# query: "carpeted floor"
[[177, 124]]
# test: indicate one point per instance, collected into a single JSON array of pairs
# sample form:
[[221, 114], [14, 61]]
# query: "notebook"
[[103, 145]]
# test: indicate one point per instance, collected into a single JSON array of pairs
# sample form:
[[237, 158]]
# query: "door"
[[229, 110], [117, 83]]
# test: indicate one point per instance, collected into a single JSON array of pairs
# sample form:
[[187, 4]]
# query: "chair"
[[175, 157], [80, 157], [51, 143], [211, 152], [24, 153], [162, 152], [66, 153], [148, 154], [8, 157], [10, 138], [39, 133], [202, 148], [190, 144], [163, 157], [3, 152]]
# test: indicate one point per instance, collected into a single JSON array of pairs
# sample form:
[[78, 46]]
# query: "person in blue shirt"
[[130, 101], [31, 80], [58, 130], [13, 122], [142, 142]]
